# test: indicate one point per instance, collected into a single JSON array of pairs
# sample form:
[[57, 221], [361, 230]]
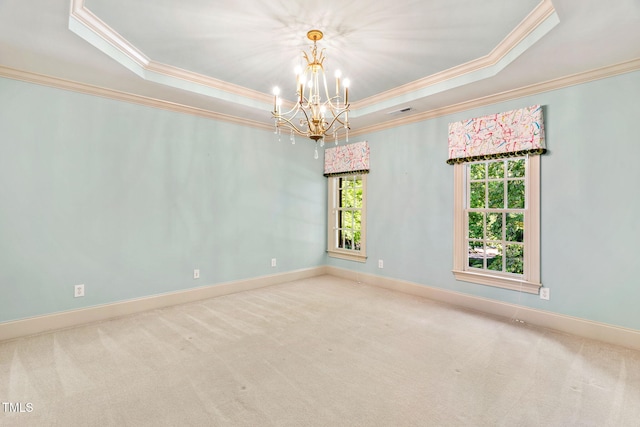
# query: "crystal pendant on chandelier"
[[315, 112]]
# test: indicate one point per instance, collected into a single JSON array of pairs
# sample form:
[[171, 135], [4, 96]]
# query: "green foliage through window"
[[495, 215], [349, 212]]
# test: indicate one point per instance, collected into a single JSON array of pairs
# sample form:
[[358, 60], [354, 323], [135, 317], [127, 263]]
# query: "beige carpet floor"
[[317, 352]]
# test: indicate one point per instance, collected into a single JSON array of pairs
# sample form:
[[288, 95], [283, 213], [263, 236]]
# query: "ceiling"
[[222, 58]]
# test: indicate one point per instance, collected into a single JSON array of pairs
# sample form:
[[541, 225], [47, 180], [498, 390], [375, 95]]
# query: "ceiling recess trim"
[[532, 28], [92, 29]]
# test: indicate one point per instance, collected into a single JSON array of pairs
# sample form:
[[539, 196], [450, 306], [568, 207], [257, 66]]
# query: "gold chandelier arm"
[[292, 112], [282, 120], [306, 116], [337, 119], [286, 123], [335, 111]]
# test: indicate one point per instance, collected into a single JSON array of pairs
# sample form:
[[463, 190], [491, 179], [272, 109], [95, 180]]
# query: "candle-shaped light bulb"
[[346, 90], [298, 71], [301, 83], [338, 75], [276, 92]]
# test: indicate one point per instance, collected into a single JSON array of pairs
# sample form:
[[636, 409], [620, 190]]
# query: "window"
[[497, 217], [346, 225]]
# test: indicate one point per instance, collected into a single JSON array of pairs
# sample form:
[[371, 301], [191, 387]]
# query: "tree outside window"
[[495, 215]]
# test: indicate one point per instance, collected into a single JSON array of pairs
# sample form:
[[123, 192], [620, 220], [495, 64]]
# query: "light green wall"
[[128, 200], [589, 213]]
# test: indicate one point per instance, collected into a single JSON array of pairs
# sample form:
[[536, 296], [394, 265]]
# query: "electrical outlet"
[[544, 293], [380, 263], [273, 262], [196, 274], [78, 291]]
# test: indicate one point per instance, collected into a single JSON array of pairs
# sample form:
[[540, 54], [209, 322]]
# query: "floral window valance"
[[513, 133], [347, 159]]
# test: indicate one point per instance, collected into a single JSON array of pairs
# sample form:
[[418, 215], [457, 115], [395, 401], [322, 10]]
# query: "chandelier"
[[311, 116]]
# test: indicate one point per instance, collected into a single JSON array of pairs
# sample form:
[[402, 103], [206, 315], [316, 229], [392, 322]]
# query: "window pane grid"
[[348, 230], [495, 215]]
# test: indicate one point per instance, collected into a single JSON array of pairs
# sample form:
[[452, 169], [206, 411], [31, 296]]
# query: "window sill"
[[350, 256], [498, 281]]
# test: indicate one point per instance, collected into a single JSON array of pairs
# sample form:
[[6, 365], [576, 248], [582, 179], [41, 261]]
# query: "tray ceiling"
[[225, 57]]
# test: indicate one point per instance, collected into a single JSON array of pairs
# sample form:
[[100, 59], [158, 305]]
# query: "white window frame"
[[530, 281], [333, 250]]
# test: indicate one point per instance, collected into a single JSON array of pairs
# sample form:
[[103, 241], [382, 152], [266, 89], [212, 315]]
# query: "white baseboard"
[[581, 327], [66, 319], [611, 334]]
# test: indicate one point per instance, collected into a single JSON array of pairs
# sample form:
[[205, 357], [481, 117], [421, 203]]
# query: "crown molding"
[[87, 89], [534, 89], [550, 85], [94, 24], [99, 34], [525, 34], [202, 80]]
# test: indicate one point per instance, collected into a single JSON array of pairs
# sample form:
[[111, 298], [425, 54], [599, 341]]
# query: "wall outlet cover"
[[78, 291], [544, 293]]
